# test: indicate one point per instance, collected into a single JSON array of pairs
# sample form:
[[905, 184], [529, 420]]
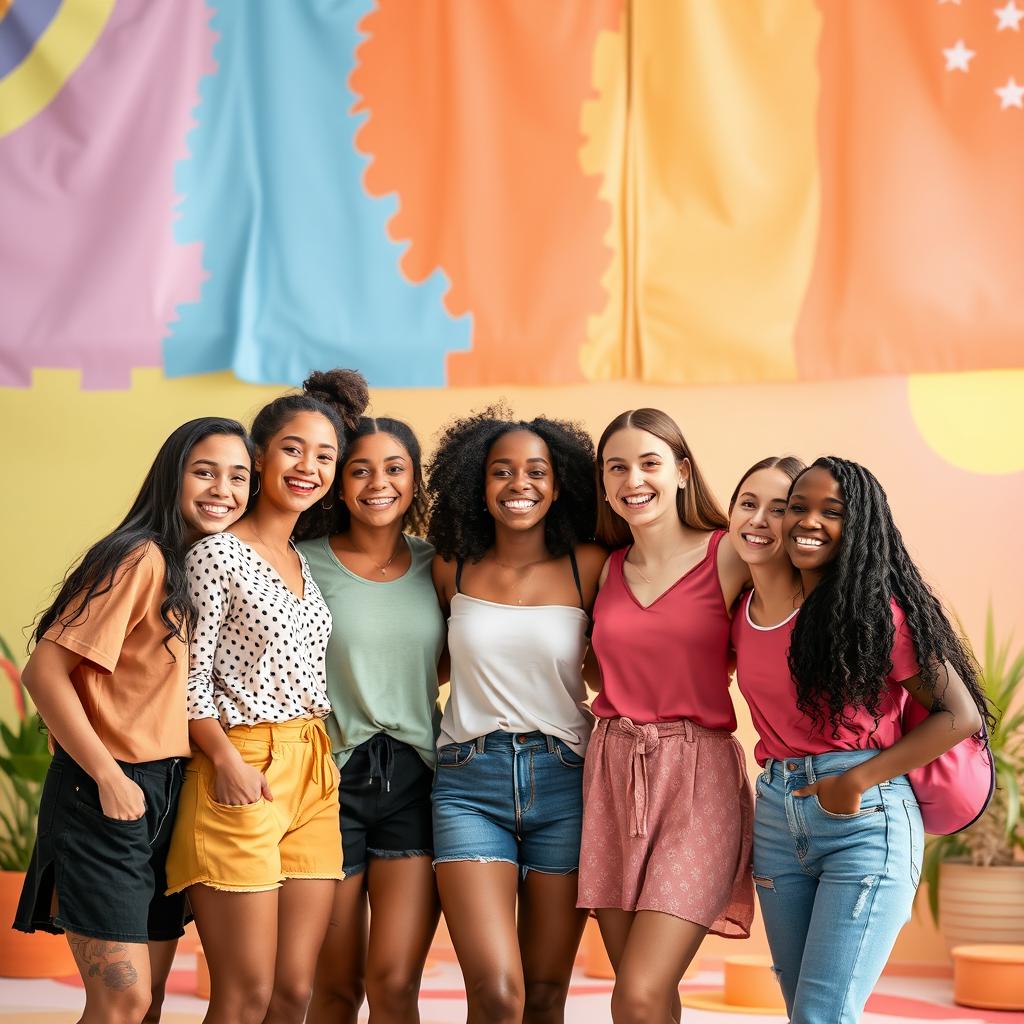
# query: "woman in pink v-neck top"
[[669, 660]]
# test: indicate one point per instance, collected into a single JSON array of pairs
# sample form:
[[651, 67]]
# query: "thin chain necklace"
[[518, 568], [383, 566], [664, 565]]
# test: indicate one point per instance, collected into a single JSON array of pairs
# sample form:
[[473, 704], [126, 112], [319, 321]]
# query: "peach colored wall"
[[947, 450]]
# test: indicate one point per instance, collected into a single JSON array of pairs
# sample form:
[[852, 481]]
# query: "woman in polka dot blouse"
[[256, 842]]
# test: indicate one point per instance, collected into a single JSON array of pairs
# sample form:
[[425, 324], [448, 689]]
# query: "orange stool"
[[202, 974], [989, 977], [750, 987]]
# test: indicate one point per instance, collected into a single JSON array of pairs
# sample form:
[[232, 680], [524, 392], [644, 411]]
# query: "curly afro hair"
[[460, 525], [841, 651]]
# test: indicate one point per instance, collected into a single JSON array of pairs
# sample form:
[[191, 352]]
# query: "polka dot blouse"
[[258, 650]]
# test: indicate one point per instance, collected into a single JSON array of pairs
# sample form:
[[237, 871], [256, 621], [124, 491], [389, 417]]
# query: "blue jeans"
[[835, 889], [515, 797]]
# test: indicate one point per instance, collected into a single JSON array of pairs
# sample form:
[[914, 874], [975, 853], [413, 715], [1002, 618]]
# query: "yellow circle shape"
[[975, 421], [56, 55]]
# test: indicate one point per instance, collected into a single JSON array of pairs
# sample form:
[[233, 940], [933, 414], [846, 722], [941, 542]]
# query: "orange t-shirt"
[[132, 688]]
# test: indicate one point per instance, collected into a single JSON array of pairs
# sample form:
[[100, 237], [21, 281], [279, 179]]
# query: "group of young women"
[[252, 658]]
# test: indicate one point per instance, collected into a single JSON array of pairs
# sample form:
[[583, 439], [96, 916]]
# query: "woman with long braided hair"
[[838, 837]]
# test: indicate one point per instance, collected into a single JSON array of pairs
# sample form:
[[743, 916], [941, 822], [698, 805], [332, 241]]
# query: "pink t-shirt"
[[762, 672], [670, 660]]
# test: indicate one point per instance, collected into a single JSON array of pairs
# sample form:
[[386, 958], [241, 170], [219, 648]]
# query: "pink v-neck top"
[[762, 673], [670, 660]]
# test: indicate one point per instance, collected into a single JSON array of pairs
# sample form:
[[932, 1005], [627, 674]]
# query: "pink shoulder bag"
[[954, 789]]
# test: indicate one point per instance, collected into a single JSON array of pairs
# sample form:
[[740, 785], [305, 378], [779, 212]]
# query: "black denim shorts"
[[108, 875], [385, 803]]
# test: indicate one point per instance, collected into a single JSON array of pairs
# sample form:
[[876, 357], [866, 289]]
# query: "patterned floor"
[[898, 1000]]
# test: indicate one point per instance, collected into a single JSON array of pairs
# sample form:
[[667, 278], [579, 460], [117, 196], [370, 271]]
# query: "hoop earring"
[[327, 508], [257, 491]]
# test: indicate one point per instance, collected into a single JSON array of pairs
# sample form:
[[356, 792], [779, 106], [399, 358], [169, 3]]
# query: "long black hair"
[[842, 644], [460, 525], [155, 517]]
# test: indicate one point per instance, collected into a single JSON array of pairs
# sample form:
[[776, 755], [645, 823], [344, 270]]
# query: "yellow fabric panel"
[[724, 172]]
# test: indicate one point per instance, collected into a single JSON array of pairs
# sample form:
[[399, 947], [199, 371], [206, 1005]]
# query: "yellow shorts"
[[254, 847]]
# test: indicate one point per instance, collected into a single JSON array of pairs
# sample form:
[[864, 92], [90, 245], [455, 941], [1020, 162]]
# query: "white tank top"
[[516, 668]]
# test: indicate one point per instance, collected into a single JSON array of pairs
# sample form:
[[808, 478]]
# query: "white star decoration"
[[1011, 94], [958, 57], [1009, 16]]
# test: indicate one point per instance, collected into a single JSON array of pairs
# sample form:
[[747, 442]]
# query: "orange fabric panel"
[[475, 123], [920, 258]]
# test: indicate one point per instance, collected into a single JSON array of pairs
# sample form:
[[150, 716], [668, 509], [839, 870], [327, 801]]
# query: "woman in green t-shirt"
[[388, 635]]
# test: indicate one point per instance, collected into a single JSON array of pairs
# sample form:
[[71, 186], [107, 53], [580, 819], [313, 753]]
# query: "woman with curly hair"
[[513, 510], [374, 572], [837, 835], [666, 834]]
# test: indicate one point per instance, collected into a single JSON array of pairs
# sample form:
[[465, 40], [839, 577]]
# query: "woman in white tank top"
[[513, 510]]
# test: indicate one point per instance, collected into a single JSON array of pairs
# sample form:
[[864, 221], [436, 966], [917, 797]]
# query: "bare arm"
[[235, 781], [47, 678], [954, 717], [733, 573]]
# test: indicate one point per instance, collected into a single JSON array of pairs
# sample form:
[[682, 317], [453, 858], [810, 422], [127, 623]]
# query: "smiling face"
[[812, 528], [755, 520], [641, 476], [378, 481], [215, 485], [298, 464], [519, 480]]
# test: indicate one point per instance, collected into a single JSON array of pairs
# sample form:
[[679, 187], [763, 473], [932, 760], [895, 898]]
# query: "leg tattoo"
[[109, 961]]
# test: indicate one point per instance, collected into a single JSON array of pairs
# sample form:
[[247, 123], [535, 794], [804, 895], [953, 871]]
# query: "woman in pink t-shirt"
[[665, 856], [839, 631]]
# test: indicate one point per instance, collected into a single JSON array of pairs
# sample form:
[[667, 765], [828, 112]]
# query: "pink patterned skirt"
[[667, 824]]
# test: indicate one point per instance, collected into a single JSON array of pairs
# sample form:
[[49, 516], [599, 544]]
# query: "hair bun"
[[345, 390]]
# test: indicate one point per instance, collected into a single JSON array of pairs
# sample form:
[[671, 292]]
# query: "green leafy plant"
[[998, 833], [24, 758]]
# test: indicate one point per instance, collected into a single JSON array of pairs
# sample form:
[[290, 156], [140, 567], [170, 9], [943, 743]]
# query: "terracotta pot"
[[981, 905], [40, 955]]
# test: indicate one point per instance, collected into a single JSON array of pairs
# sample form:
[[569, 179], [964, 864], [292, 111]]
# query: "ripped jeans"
[[834, 889]]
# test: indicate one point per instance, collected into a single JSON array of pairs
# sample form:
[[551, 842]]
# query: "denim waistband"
[[158, 769], [510, 741], [810, 766]]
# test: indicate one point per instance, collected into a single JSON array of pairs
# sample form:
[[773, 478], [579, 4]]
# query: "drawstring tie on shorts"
[[381, 752]]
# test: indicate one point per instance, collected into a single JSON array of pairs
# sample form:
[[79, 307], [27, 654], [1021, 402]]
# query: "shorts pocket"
[[567, 755], [913, 813], [455, 755], [97, 812]]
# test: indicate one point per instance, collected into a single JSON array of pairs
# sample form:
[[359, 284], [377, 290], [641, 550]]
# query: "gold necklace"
[[530, 566], [383, 566]]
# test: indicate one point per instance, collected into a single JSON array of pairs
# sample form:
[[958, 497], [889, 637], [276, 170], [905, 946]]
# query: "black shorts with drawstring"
[[385, 803], [108, 875]]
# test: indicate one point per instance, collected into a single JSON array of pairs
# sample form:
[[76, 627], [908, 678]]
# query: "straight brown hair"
[[697, 506], [788, 464]]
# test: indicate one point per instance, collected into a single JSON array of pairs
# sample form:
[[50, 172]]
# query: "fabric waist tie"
[[646, 739], [309, 731], [381, 752]]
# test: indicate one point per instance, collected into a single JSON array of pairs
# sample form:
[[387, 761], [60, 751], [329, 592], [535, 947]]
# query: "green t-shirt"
[[383, 652]]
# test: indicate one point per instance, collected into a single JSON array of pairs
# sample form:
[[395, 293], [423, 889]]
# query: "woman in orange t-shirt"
[[108, 675]]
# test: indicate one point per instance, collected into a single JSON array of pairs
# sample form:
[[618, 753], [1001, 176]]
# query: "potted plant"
[[24, 758], [976, 877]]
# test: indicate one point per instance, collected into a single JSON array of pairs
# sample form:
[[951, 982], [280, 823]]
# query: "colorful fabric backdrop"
[[511, 192]]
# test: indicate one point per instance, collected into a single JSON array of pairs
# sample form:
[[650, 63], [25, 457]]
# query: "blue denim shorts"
[[514, 797]]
